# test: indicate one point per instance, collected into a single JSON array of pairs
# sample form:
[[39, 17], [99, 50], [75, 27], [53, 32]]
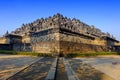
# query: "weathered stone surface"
[[73, 47], [47, 35]]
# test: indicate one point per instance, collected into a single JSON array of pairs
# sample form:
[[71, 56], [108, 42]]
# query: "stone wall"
[[46, 47], [3, 40], [66, 42], [6, 47], [46, 41], [26, 39], [16, 47], [71, 42], [22, 47], [80, 38], [73, 47]]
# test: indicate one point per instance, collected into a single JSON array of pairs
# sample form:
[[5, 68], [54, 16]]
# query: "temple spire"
[[6, 33]]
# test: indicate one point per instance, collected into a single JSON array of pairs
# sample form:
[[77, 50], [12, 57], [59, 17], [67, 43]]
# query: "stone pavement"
[[11, 64], [95, 68], [37, 71], [109, 65], [86, 72], [61, 71]]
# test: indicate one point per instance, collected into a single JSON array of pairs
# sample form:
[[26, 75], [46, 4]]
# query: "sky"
[[103, 14]]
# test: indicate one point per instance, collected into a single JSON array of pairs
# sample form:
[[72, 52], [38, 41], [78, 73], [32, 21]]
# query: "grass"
[[7, 52], [67, 55], [91, 54], [26, 53]]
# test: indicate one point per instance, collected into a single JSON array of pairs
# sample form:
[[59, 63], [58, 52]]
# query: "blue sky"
[[104, 14]]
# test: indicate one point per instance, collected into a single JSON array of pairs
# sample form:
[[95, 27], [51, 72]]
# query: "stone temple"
[[58, 34]]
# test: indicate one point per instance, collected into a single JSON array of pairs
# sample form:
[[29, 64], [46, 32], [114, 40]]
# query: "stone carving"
[[58, 28]]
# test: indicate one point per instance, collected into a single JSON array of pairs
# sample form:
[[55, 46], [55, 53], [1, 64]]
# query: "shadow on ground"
[[86, 72]]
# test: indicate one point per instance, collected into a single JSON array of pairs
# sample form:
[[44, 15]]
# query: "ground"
[[16, 67], [109, 65], [10, 64]]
